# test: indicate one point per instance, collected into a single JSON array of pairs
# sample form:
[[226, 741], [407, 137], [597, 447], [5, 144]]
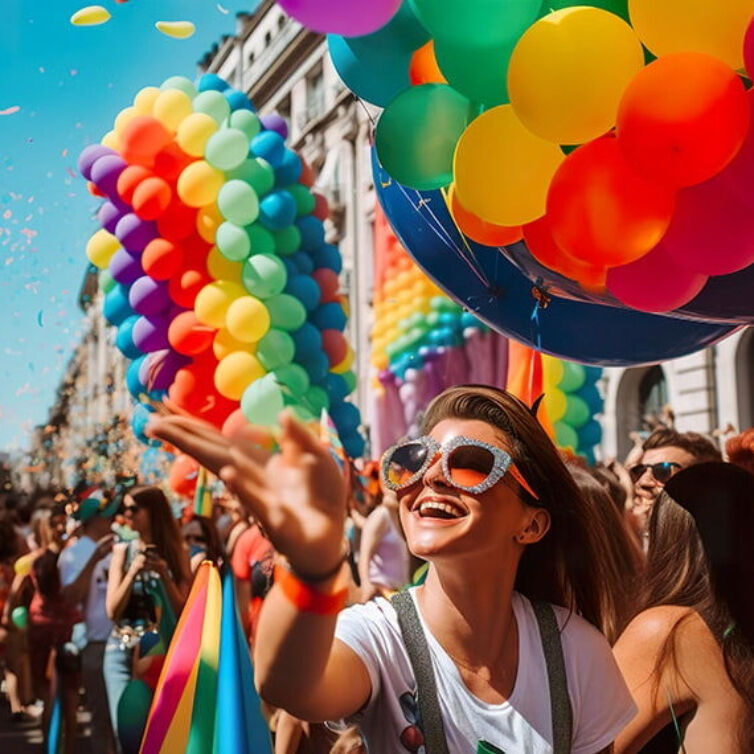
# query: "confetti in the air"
[[92, 15], [10, 110], [222, 10], [176, 29]]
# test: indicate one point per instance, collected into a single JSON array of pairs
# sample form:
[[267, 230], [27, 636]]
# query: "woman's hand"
[[137, 564], [154, 562]]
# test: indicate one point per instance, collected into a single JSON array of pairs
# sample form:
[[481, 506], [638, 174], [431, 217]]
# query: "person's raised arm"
[[120, 583]]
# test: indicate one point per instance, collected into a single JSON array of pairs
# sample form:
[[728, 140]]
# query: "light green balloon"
[[246, 121], [262, 401], [275, 349], [227, 149], [262, 241], [574, 377], [302, 413], [180, 82], [294, 377], [577, 412], [350, 378], [233, 242], [286, 312], [316, 399], [304, 199], [238, 202], [287, 240], [566, 436], [106, 282], [264, 275], [213, 104], [258, 173], [20, 617]]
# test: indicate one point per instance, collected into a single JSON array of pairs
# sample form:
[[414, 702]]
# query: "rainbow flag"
[[203, 494]]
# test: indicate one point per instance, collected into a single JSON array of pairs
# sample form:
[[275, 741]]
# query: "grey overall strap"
[[426, 688], [560, 702]]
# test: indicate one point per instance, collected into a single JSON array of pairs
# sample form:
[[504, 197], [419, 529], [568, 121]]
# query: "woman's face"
[[193, 535], [58, 528], [136, 516], [467, 523]]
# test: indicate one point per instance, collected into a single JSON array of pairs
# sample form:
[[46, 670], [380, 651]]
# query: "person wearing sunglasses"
[[664, 453], [498, 650]]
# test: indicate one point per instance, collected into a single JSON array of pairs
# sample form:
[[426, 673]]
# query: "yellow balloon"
[[568, 72], [194, 132], [236, 372], [176, 29], [101, 247], [556, 403], [502, 170], [224, 343], [145, 99], [199, 184], [213, 300], [92, 15], [247, 319], [171, 107], [346, 364], [717, 28], [112, 140], [221, 268], [552, 370], [380, 361], [22, 566], [123, 118], [208, 219]]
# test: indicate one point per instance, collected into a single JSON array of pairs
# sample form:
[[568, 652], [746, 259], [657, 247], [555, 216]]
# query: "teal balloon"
[[286, 312], [591, 395], [303, 197], [294, 377], [264, 275], [255, 171], [350, 379], [404, 31], [212, 103], [20, 617], [238, 202], [227, 148], [317, 399], [262, 401], [180, 82], [590, 435], [287, 240], [573, 377], [618, 7], [106, 282], [577, 412], [566, 436], [233, 242], [262, 241], [247, 122], [275, 349], [417, 134]]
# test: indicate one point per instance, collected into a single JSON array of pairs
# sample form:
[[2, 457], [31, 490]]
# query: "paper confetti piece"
[[176, 29], [10, 110], [222, 10], [92, 15], [40, 313]]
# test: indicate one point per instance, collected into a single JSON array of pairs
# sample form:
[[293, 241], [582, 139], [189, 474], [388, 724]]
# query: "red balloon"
[[151, 198], [184, 287], [183, 476], [129, 180], [307, 176], [170, 162], [217, 409], [655, 283], [328, 283], [738, 177], [602, 211], [161, 259], [189, 336], [94, 191], [191, 383], [195, 251], [142, 138], [177, 221], [335, 346], [749, 49], [683, 118], [321, 207], [480, 230]]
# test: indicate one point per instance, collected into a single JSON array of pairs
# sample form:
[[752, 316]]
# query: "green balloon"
[[227, 148], [20, 617], [275, 349], [180, 82], [262, 401], [350, 378], [577, 412], [574, 377], [258, 173], [262, 241], [246, 121], [404, 31], [264, 275], [286, 312], [618, 7], [233, 242], [287, 240], [302, 413], [317, 399], [566, 436], [303, 197], [238, 202], [294, 377], [432, 319], [212, 103], [106, 282], [417, 134]]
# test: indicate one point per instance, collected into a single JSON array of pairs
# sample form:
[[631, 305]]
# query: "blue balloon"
[[124, 338], [238, 100], [593, 374], [495, 289], [449, 320], [139, 420], [116, 307], [305, 289], [289, 170], [269, 145], [335, 386], [290, 266], [354, 445], [467, 319], [135, 386], [346, 417], [725, 297], [317, 366], [329, 316], [303, 262], [591, 396], [312, 232], [590, 434], [308, 341], [211, 81], [328, 256], [277, 210]]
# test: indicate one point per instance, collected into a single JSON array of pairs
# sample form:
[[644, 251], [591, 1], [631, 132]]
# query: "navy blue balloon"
[[305, 289], [277, 210], [269, 145], [327, 256], [303, 262], [289, 170], [354, 445], [312, 232], [492, 286], [335, 386], [725, 297], [238, 100], [308, 341], [212, 82], [346, 417], [135, 386], [124, 338], [317, 366], [329, 316], [116, 307]]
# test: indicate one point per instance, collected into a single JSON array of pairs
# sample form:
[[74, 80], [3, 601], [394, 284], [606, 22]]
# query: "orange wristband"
[[306, 598]]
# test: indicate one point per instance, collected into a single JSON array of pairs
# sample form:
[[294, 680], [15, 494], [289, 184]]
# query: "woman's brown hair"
[[165, 532], [568, 566]]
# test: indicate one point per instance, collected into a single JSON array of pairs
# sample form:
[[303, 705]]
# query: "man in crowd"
[[83, 571]]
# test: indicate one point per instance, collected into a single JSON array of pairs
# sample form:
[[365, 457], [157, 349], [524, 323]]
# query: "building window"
[[267, 38], [653, 393], [315, 94], [283, 107], [251, 57], [281, 22]]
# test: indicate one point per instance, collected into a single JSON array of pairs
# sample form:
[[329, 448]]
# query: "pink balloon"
[[738, 177], [654, 283], [351, 18], [711, 231], [749, 49]]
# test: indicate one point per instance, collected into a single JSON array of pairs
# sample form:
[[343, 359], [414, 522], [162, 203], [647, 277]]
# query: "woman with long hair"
[[688, 655], [509, 609], [203, 541], [148, 576]]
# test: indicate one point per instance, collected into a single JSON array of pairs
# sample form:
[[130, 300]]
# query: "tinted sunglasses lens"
[[470, 465], [662, 472], [636, 472], [405, 462]]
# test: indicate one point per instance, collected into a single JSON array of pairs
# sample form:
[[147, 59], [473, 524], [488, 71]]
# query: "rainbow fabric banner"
[[203, 494]]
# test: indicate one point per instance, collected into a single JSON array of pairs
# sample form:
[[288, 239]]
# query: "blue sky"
[[69, 83]]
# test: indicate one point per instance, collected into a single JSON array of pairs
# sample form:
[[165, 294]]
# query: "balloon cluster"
[[214, 262], [627, 173]]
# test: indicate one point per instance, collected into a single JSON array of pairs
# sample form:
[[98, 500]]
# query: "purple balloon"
[[346, 17], [150, 334], [106, 171], [135, 233], [275, 122], [160, 367], [125, 268], [108, 216], [88, 157], [148, 296]]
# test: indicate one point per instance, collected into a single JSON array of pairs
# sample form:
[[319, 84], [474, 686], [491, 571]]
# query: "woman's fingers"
[[254, 497], [194, 437], [296, 439]]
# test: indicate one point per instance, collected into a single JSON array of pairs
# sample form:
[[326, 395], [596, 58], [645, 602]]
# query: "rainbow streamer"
[[203, 494]]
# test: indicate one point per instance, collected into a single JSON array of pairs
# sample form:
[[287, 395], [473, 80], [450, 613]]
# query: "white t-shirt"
[[71, 562], [601, 703]]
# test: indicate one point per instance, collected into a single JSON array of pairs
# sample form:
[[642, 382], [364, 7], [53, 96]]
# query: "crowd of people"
[[476, 590]]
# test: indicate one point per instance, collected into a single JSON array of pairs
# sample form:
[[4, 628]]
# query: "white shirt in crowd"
[[601, 703], [71, 562]]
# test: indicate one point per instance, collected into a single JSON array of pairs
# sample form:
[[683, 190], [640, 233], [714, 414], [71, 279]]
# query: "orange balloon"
[[189, 336], [151, 198], [183, 475], [602, 211], [423, 68], [142, 138], [479, 230], [129, 179], [162, 259]]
